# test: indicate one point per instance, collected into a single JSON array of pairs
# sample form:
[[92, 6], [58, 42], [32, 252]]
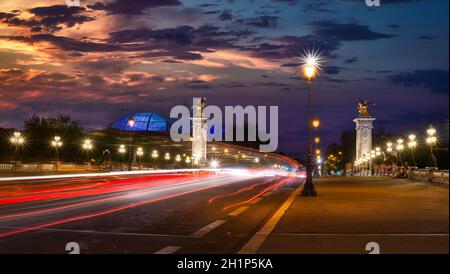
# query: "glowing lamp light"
[[167, 156], [310, 64], [316, 123], [178, 158], [131, 122], [122, 149], [17, 139], [214, 164], [87, 144], [317, 140], [57, 142]]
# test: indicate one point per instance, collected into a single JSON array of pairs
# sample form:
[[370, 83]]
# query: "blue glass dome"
[[144, 121]]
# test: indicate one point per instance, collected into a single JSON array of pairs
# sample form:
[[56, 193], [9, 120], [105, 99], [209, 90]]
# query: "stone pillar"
[[364, 126], [199, 134]]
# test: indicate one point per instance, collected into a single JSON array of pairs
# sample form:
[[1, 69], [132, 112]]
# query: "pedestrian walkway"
[[353, 214]]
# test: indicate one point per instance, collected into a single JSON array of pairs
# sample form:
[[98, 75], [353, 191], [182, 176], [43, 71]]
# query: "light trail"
[[113, 173], [68, 193], [275, 186], [239, 191], [161, 193], [78, 204]]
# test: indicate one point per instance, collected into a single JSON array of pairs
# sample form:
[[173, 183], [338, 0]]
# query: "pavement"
[[398, 215], [220, 214]]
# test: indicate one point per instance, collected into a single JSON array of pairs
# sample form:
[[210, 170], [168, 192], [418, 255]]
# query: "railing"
[[432, 175], [45, 167]]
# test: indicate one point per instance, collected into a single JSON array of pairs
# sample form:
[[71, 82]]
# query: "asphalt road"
[[160, 213]]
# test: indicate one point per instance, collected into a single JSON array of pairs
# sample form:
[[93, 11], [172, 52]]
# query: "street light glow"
[[87, 144], [131, 122], [17, 139], [57, 142], [167, 156], [214, 164], [122, 149], [310, 63], [316, 123]]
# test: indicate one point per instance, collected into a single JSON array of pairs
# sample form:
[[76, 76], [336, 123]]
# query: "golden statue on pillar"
[[363, 107]]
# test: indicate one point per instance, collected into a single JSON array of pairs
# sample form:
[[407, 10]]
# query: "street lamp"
[[17, 140], [311, 63], [130, 151], [317, 140], [412, 146], [122, 150], [341, 154], [389, 146], [400, 148], [214, 164], [316, 123], [431, 142], [167, 156], [87, 146], [56, 143], [139, 154], [178, 158]]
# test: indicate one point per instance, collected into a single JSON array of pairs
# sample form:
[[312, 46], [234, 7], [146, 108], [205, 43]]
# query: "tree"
[[40, 131]]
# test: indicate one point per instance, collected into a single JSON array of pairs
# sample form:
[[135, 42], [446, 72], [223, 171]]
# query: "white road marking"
[[238, 211], [252, 246], [208, 228], [168, 250]]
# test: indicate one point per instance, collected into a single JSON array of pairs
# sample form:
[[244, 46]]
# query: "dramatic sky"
[[110, 57]]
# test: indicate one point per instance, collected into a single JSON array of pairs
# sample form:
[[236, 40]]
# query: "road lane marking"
[[238, 211], [168, 250], [257, 200], [208, 228], [252, 246]]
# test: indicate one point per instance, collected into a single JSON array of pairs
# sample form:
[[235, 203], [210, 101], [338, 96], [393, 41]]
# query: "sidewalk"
[[401, 215]]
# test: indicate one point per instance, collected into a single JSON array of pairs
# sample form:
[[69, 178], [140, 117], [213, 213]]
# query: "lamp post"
[[155, 155], [17, 141], [56, 144], [122, 150], [412, 146], [87, 146], [311, 63], [178, 159], [341, 155], [400, 148], [315, 125], [167, 156], [130, 151], [139, 154], [431, 142]]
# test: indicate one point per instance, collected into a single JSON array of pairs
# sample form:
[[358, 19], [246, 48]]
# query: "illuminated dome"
[[144, 121]]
